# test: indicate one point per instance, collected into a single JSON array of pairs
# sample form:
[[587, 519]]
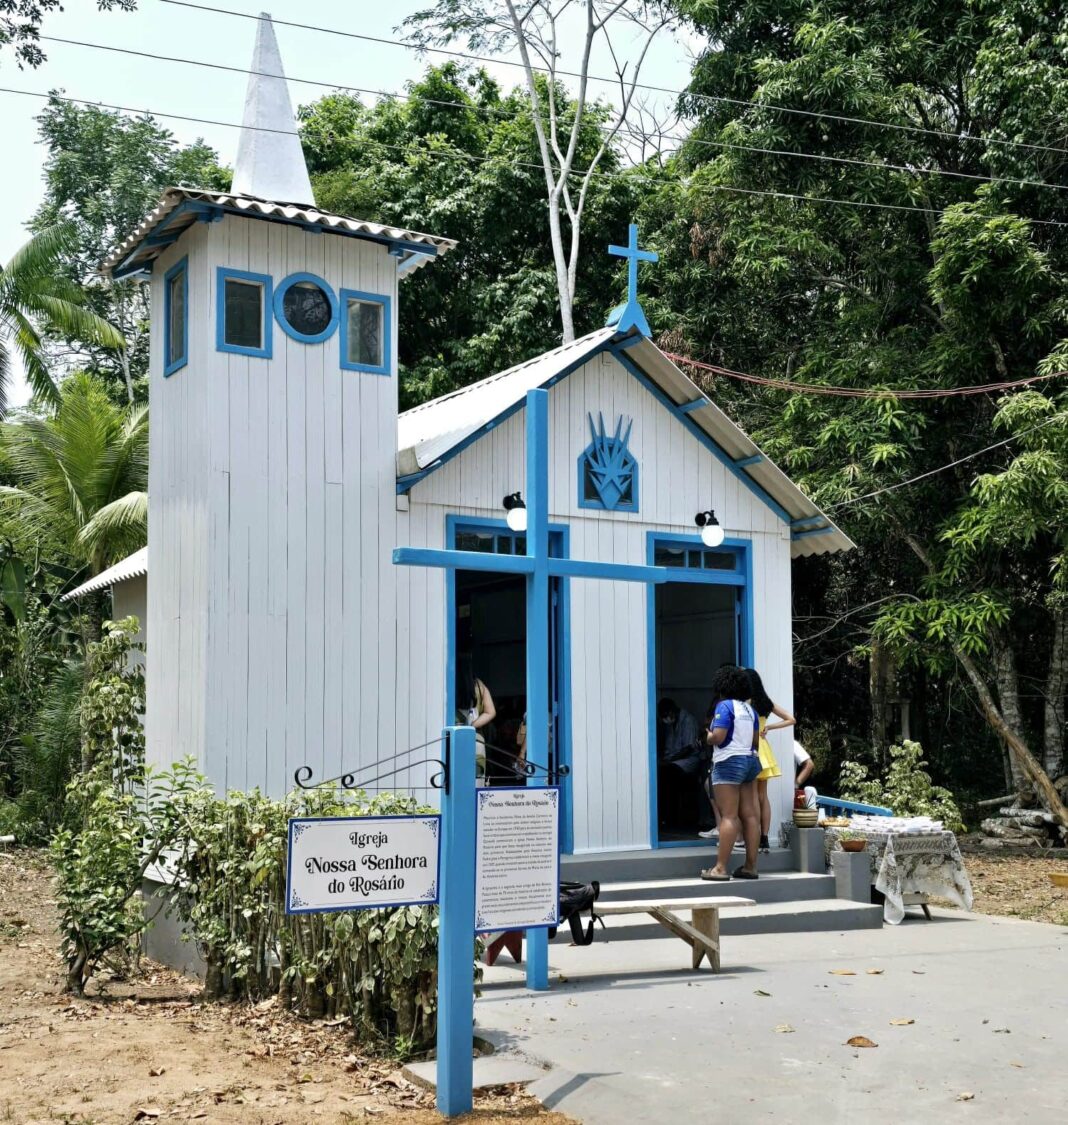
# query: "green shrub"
[[110, 837], [379, 967], [906, 788]]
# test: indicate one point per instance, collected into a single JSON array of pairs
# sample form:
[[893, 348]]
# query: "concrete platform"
[[656, 863], [488, 1070], [634, 1036]]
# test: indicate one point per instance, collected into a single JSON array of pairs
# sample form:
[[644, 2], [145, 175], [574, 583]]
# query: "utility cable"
[[715, 98], [465, 157], [943, 468], [865, 392], [623, 130]]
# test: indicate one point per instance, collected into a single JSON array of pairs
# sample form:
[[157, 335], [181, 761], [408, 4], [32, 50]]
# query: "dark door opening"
[[698, 627]]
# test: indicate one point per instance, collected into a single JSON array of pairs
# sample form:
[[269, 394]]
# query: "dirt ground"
[[148, 1050], [1018, 886]]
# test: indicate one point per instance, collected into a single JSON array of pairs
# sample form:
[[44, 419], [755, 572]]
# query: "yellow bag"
[[769, 767]]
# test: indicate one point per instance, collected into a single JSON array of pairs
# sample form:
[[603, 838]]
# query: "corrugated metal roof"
[[133, 566], [434, 431], [137, 252]]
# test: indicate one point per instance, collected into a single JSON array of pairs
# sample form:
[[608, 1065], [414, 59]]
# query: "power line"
[[517, 164], [864, 392], [716, 98], [622, 129], [943, 468]]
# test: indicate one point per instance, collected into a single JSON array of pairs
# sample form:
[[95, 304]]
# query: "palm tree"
[[33, 288], [81, 475]]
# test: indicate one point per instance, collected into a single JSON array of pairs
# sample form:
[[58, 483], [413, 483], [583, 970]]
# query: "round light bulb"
[[712, 535], [517, 519]]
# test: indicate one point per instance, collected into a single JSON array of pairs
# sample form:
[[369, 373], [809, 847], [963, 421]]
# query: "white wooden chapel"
[[279, 632]]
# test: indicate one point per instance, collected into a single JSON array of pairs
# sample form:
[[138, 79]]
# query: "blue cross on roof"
[[628, 316]]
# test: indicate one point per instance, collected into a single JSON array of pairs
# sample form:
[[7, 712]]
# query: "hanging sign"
[[517, 858], [357, 862]]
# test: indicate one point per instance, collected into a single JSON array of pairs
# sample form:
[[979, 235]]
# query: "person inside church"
[[804, 768], [680, 766], [475, 708]]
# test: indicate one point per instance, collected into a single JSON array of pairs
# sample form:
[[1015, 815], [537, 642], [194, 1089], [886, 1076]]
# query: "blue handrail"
[[852, 806]]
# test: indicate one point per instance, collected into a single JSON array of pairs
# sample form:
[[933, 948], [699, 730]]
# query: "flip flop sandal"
[[709, 877], [741, 873]]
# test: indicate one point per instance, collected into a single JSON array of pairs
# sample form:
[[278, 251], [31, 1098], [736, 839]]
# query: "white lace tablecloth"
[[903, 864]]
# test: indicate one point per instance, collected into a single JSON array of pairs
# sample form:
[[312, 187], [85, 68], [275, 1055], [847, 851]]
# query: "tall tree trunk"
[[879, 676], [1009, 695], [1022, 758], [1056, 683]]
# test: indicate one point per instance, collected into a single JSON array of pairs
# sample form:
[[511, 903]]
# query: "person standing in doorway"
[[804, 768], [733, 737], [474, 707], [769, 767]]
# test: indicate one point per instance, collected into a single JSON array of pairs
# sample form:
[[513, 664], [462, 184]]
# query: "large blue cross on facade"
[[538, 567], [628, 316]]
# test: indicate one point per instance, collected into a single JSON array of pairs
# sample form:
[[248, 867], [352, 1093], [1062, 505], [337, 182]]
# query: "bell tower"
[[272, 465]]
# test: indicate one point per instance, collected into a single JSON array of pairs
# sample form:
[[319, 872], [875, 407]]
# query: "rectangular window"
[[243, 302], [175, 320], [365, 332], [244, 314]]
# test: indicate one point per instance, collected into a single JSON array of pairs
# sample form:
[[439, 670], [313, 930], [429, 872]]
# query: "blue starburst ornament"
[[608, 471]]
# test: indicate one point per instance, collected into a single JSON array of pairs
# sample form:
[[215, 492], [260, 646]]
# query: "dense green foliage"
[[968, 289], [458, 158], [104, 173], [378, 967]]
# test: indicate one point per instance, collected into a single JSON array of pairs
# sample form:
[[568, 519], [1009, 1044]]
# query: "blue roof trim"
[[696, 404], [754, 459], [797, 525], [700, 435], [814, 531]]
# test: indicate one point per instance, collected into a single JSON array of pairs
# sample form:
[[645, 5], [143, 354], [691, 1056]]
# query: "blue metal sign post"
[[456, 925]]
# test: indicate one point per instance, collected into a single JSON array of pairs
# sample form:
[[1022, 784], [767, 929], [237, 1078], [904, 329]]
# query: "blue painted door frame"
[[560, 632], [741, 578]]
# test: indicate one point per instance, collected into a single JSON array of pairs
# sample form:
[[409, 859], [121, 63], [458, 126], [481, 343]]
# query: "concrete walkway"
[[631, 1036]]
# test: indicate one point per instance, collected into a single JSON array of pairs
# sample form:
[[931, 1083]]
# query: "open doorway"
[[488, 621], [698, 628]]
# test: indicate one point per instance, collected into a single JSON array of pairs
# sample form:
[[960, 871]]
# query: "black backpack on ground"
[[574, 899]]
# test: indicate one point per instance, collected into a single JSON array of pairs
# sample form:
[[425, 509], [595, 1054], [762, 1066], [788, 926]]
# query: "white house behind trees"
[[279, 632]]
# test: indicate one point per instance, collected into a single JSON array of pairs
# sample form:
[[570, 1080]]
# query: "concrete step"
[[783, 886], [656, 863], [824, 914]]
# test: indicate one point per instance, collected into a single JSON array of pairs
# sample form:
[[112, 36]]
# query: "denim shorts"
[[737, 770]]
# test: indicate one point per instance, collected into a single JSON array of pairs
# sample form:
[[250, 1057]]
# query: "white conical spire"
[[270, 162]]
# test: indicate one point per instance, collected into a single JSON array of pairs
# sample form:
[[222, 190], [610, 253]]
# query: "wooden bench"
[[701, 933]]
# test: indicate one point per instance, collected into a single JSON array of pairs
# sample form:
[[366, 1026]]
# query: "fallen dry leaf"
[[875, 972], [966, 1096], [860, 1041], [760, 992], [842, 973], [147, 1113], [904, 1021], [156, 1071], [785, 1029], [1014, 1062]]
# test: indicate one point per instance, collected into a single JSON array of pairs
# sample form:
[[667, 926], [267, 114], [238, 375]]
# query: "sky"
[[160, 87]]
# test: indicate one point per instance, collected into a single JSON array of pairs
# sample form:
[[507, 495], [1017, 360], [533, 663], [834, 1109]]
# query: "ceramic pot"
[[853, 845]]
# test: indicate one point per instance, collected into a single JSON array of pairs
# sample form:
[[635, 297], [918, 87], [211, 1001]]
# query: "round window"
[[307, 309]]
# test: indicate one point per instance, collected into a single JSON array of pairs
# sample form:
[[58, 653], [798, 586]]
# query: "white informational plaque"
[[517, 858], [355, 862]]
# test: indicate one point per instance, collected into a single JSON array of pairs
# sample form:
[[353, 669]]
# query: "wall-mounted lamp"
[[517, 511], [711, 532]]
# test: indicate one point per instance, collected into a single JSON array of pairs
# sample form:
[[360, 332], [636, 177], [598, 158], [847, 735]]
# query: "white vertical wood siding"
[[678, 476], [280, 633], [272, 521]]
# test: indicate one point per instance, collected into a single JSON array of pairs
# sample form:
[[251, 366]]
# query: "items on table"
[[897, 825]]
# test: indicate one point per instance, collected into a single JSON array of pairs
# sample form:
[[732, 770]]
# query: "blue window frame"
[[730, 564], [366, 332], [243, 312], [306, 308], [477, 533], [176, 317], [607, 469]]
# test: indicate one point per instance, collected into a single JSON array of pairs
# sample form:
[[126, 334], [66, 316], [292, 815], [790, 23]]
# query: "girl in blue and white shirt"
[[733, 736]]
